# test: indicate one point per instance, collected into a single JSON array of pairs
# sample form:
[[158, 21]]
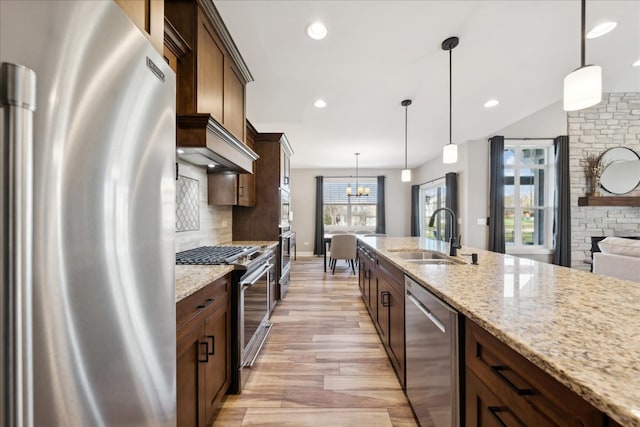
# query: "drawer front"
[[203, 301], [393, 275], [485, 409], [534, 395]]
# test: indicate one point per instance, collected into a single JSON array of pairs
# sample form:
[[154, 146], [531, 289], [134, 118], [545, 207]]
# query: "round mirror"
[[622, 174]]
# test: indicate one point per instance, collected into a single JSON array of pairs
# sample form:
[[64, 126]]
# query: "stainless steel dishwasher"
[[431, 328]]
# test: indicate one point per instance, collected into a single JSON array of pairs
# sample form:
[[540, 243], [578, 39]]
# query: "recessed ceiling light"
[[320, 103], [317, 30], [211, 165], [491, 103], [637, 63], [180, 151], [601, 29]]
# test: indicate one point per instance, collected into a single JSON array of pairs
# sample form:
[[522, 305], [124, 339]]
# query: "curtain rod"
[[429, 182], [527, 139], [351, 176]]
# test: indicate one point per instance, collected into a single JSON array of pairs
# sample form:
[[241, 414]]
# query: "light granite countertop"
[[582, 329], [191, 278]]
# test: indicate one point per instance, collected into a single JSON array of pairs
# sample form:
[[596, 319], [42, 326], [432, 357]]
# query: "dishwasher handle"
[[426, 312]]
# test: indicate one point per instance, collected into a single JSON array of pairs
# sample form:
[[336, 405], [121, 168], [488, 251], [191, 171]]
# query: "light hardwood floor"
[[323, 363]]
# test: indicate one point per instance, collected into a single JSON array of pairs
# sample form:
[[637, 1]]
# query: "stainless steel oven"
[[253, 325], [254, 271], [285, 260]]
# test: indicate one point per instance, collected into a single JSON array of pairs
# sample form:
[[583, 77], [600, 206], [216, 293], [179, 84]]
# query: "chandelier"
[[360, 191]]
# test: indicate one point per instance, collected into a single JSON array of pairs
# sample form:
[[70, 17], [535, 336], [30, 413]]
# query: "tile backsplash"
[[215, 222], [187, 204]]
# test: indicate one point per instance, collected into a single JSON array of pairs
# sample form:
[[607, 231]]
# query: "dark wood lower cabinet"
[[504, 388], [382, 288], [189, 381], [203, 353], [484, 408]]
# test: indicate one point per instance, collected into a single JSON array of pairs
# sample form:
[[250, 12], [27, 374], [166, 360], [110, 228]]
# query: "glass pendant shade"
[[450, 153], [349, 190], [406, 175], [583, 88]]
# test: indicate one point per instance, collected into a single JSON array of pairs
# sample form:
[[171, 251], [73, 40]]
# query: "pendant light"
[[450, 151], [406, 172], [360, 190], [583, 87]]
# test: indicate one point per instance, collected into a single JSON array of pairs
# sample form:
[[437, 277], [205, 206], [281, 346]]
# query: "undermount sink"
[[425, 256], [447, 261]]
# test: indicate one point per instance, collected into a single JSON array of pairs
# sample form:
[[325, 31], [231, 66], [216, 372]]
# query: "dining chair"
[[343, 246]]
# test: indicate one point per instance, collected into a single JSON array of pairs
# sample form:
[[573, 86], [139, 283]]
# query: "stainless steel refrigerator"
[[88, 297]]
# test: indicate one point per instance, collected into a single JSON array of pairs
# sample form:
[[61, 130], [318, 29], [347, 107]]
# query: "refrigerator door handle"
[[17, 102]]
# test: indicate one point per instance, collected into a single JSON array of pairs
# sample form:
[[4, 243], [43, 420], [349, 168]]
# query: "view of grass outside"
[[525, 195]]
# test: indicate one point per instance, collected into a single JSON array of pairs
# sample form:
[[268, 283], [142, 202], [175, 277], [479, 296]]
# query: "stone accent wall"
[[215, 222], [615, 122]]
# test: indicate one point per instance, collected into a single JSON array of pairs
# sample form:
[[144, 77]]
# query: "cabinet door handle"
[[497, 369], [495, 410], [387, 295], [213, 345], [207, 303], [241, 192], [206, 352]]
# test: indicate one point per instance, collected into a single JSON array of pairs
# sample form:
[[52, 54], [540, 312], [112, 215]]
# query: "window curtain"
[[381, 222], [415, 210], [451, 201], [562, 214], [496, 195], [318, 241]]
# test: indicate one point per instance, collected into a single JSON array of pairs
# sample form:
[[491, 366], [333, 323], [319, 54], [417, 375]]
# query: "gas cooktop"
[[211, 255]]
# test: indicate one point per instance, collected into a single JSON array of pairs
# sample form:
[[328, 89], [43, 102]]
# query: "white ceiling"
[[378, 53]]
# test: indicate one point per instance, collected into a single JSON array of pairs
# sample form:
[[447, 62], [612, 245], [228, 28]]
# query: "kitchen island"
[[581, 329]]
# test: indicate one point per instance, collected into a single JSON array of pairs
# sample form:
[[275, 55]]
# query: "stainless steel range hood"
[[203, 141]]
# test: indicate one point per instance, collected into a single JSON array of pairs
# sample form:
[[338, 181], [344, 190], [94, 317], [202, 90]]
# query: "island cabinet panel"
[[203, 348], [504, 388], [382, 288], [391, 314], [368, 281]]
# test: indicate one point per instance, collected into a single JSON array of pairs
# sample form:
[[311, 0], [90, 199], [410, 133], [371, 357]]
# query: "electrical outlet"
[[306, 243], [482, 221], [224, 223]]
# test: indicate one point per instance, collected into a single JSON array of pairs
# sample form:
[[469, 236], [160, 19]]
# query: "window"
[[339, 210], [433, 196], [528, 195]]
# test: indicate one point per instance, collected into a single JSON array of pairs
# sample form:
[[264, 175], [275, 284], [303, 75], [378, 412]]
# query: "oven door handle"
[[251, 280]]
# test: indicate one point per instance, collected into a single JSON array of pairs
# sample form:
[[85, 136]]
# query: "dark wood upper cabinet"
[[148, 15], [262, 222], [208, 93], [212, 76]]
